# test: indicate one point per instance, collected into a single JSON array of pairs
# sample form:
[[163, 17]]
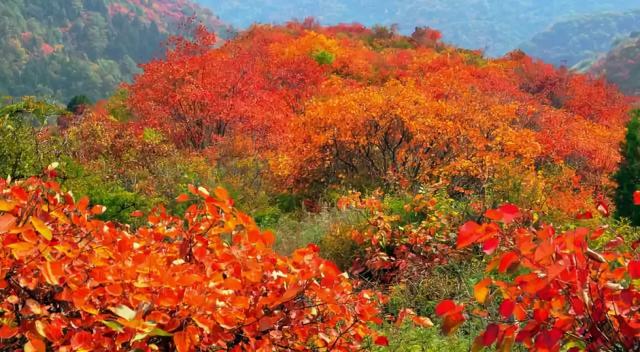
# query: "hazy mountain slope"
[[497, 25], [67, 47], [572, 41], [621, 65]]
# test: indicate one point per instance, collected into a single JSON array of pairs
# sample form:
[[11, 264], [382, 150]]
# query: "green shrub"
[[323, 57]]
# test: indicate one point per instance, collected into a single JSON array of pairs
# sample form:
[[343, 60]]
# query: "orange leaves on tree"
[[179, 282]]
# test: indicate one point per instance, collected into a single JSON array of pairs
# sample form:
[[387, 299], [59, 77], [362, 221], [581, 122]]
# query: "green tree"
[[78, 103], [22, 152], [628, 175]]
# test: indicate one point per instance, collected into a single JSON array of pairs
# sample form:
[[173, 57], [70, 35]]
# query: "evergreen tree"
[[78, 103], [628, 175]]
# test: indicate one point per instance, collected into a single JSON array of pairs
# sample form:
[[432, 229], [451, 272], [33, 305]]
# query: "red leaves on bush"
[[562, 288], [452, 315]]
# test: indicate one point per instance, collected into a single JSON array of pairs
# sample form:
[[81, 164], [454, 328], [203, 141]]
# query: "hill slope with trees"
[[621, 65], [65, 48], [583, 38]]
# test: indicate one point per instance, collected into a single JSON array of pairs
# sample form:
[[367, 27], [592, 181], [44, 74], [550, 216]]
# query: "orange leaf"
[[182, 341], [481, 290], [507, 261], [34, 344], [221, 193], [182, 198], [53, 272], [7, 221], [422, 321], [468, 234], [268, 238], [7, 332]]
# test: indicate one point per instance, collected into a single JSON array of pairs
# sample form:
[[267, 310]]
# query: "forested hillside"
[[324, 188], [495, 25], [71, 47], [621, 65], [583, 38]]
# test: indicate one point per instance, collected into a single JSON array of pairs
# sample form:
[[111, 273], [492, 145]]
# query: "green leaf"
[[159, 332], [113, 325], [139, 336]]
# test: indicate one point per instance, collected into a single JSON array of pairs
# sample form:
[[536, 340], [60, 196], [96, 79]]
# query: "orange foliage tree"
[[208, 280], [347, 105]]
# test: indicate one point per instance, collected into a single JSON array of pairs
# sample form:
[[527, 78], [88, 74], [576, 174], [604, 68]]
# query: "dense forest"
[[65, 48], [310, 187], [494, 25]]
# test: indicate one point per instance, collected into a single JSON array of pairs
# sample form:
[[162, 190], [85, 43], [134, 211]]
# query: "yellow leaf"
[[7, 206], [481, 290], [42, 228], [124, 312]]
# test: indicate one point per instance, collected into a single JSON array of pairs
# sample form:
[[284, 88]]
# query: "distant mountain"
[[62, 48], [621, 65], [497, 25], [582, 38]]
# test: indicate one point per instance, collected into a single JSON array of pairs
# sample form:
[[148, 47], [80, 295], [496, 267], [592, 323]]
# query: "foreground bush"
[[549, 290], [209, 280]]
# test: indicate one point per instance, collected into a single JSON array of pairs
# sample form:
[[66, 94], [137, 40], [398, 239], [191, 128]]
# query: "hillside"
[[582, 38], [474, 24], [64, 48], [621, 65]]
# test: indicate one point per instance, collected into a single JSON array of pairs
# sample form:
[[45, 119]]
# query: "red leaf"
[[490, 334], [634, 269], [509, 213], [445, 307], [7, 332], [468, 234], [137, 214], [636, 197], [381, 341], [490, 245], [507, 261], [506, 308]]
